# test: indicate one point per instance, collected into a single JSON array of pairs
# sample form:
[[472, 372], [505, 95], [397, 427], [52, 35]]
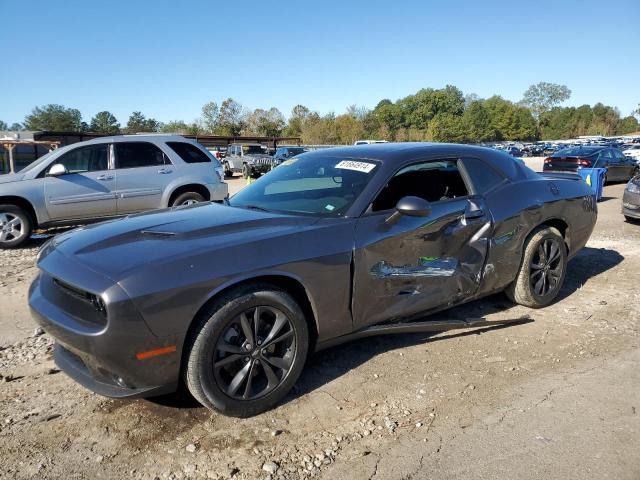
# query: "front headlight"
[[633, 187]]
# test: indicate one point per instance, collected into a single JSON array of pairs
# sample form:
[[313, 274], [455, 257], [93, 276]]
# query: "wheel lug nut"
[[248, 346], [246, 359], [264, 352]]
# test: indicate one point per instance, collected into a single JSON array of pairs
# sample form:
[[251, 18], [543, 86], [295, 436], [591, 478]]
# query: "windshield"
[[309, 184], [576, 151], [252, 149]]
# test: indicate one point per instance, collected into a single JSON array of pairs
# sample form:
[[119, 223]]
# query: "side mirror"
[[411, 207], [57, 170]]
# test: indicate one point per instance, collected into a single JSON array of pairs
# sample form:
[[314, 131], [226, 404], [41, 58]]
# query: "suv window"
[[483, 176], [138, 154], [92, 158], [433, 181], [189, 153]]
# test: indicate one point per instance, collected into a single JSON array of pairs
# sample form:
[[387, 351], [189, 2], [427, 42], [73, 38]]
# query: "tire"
[[15, 226], [228, 173], [219, 350], [246, 173], [526, 288], [187, 198]]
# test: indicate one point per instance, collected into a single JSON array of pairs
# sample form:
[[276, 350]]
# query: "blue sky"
[[168, 58]]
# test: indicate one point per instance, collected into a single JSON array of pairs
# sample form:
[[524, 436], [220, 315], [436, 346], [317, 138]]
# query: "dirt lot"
[[554, 398]]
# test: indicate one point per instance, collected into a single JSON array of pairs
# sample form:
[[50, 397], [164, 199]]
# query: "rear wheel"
[[247, 351], [15, 226], [187, 198], [542, 271]]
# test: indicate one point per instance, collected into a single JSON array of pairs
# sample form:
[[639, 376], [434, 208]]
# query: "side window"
[[433, 181], [189, 153], [138, 154], [483, 176], [92, 158]]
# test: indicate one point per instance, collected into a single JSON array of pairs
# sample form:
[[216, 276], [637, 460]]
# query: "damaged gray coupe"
[[331, 246]]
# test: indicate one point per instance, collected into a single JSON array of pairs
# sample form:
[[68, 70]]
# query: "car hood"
[[118, 247], [10, 177]]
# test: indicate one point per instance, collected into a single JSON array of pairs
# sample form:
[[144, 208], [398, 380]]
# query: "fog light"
[[631, 206]]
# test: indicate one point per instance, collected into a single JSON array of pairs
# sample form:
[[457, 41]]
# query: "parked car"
[[285, 153], [340, 244], [632, 151], [103, 178], [631, 199], [619, 167], [250, 159], [514, 151]]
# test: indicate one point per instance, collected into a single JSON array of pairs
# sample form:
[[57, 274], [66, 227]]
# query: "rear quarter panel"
[[519, 207]]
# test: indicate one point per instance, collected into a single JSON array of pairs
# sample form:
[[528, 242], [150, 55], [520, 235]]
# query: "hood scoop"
[[157, 234]]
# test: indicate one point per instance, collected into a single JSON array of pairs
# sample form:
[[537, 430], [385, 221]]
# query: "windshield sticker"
[[329, 207], [364, 167], [289, 162]]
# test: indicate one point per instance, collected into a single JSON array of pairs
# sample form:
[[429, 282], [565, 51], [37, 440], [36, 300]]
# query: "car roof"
[[137, 138], [393, 155]]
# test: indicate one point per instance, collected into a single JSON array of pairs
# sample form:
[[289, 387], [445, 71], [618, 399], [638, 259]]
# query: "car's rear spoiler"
[[561, 175]]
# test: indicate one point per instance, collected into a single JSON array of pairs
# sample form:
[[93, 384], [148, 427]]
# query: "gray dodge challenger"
[[333, 245]]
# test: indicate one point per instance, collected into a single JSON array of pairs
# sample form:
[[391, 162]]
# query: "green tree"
[[230, 118], [627, 125], [268, 123], [16, 127], [210, 116], [54, 117], [105, 122], [299, 114], [3, 125], [477, 123], [175, 126], [543, 96], [448, 128], [138, 123]]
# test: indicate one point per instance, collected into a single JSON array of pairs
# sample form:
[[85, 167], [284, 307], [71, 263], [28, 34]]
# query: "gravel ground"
[[553, 398]]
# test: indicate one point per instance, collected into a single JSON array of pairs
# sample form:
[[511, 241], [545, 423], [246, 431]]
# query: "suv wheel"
[[228, 173], [15, 226], [187, 198], [543, 268], [247, 351]]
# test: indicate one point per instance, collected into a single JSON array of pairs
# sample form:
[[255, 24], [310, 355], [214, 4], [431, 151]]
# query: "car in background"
[[619, 167], [632, 151], [368, 142], [106, 177], [250, 159], [513, 151], [631, 199], [285, 153], [340, 244]]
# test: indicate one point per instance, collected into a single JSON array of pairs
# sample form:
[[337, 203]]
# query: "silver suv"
[[106, 177], [251, 159]]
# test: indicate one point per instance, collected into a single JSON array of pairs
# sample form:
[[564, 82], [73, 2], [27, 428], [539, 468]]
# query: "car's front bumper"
[[631, 204], [100, 351]]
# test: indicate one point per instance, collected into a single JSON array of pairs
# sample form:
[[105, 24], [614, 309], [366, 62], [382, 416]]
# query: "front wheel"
[[228, 172], [247, 351], [543, 268], [15, 226]]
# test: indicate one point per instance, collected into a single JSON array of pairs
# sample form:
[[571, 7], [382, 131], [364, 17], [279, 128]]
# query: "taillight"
[[547, 160], [583, 162]]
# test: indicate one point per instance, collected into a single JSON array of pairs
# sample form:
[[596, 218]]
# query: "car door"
[[419, 263], [143, 173], [87, 190], [627, 166]]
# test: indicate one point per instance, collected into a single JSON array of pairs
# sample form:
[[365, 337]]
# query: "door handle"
[[105, 177], [164, 171]]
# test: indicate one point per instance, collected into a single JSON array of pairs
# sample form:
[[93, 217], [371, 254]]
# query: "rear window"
[[138, 154], [189, 153], [577, 152]]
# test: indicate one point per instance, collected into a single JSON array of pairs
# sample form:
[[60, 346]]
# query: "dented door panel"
[[419, 263]]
